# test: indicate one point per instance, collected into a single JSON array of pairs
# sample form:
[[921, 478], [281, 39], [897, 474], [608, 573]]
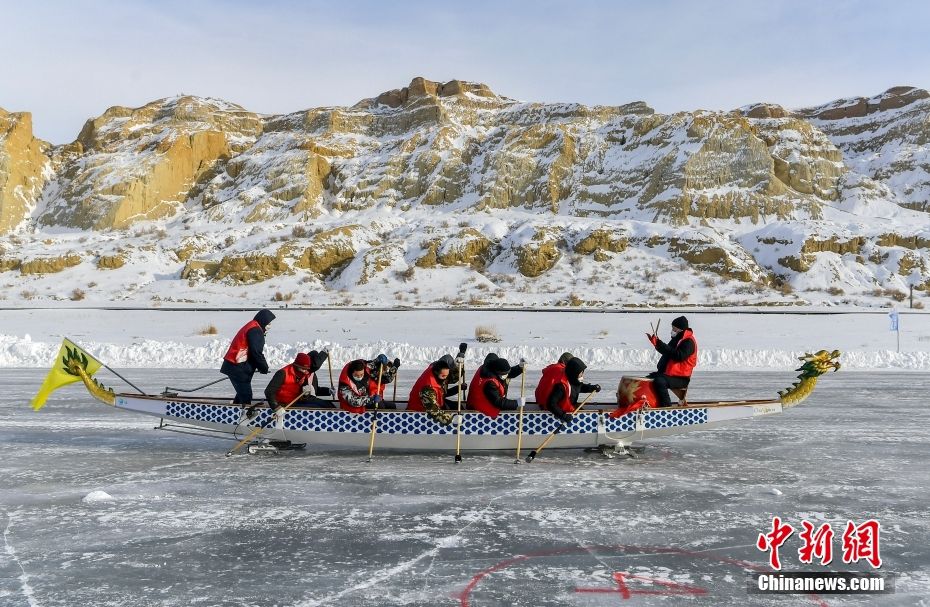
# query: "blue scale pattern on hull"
[[675, 417], [627, 423], [419, 423]]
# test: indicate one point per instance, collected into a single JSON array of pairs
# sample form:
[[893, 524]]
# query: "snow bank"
[[727, 341], [24, 353]]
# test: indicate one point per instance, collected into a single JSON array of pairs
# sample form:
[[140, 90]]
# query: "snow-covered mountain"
[[452, 194]]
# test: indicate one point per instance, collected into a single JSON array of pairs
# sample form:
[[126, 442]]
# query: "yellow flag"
[[60, 375]]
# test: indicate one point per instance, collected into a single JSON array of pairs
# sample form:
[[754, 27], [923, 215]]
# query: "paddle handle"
[[458, 427], [520, 416], [332, 384], [561, 427], [374, 416]]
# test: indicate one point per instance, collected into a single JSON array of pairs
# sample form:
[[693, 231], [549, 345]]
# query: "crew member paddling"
[[356, 389], [289, 383], [488, 392], [430, 390], [296, 378], [679, 357], [246, 355], [387, 371], [560, 386]]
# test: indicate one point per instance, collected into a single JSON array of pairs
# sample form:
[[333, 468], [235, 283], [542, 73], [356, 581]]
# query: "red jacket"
[[552, 375], [476, 398], [292, 386], [683, 368], [427, 379], [345, 379], [374, 388], [238, 351]]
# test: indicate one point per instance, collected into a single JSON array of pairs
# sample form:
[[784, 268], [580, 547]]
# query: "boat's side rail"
[[532, 406], [416, 422]]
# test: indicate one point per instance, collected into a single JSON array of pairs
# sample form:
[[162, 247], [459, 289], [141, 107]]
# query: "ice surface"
[[188, 526], [97, 496]]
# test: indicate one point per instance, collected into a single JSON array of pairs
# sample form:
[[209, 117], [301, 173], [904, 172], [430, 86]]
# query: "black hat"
[[573, 369], [441, 364], [499, 366], [263, 317], [680, 323]]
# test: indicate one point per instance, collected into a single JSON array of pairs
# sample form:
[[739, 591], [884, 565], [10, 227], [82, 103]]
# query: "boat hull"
[[416, 431]]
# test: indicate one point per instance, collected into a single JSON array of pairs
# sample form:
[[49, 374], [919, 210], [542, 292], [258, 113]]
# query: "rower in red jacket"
[[356, 389], [431, 389], [299, 377], [388, 373], [560, 386], [488, 392]]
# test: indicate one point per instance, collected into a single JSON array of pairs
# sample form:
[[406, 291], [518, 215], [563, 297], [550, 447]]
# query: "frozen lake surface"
[[99, 509]]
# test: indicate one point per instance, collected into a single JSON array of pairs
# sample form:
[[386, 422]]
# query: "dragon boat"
[[603, 426]]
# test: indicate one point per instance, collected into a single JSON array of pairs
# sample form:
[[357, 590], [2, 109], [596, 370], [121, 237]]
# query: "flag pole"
[[108, 368], [123, 378]]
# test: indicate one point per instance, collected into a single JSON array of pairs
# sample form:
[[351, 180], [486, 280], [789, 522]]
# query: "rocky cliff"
[[449, 192], [24, 167]]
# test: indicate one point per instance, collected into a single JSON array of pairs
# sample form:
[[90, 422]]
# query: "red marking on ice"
[[620, 577], [465, 596]]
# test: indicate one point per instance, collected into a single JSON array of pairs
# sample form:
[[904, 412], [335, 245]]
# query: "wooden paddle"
[[458, 430], [374, 416], [256, 431], [332, 384], [458, 427], [562, 426], [520, 414]]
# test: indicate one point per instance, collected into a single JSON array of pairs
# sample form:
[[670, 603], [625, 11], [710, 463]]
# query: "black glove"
[[462, 347], [464, 385], [565, 417], [397, 363], [597, 387]]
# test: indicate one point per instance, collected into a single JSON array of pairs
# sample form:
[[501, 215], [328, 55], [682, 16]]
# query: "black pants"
[[240, 376], [243, 391], [316, 401], [662, 382]]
